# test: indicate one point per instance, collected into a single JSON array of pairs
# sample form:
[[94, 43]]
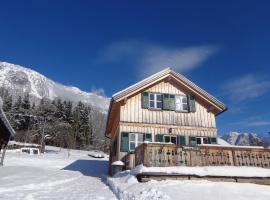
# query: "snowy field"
[[126, 186], [54, 175], [59, 174]]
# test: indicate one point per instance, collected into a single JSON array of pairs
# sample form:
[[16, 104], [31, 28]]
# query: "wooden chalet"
[[6, 132], [157, 119]]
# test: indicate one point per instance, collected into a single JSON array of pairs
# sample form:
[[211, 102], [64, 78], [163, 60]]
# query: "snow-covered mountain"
[[20, 80], [245, 139]]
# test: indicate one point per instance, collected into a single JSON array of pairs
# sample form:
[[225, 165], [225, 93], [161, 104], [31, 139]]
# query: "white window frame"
[[171, 136], [155, 101], [181, 103], [136, 141]]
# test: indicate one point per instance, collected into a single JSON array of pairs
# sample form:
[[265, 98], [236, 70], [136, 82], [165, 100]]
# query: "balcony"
[[166, 155]]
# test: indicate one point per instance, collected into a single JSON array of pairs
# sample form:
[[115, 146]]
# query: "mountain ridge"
[[21, 80], [246, 139]]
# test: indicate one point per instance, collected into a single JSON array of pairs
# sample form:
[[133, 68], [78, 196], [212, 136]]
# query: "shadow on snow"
[[95, 168]]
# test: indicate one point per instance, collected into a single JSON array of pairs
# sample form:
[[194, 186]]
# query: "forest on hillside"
[[57, 122]]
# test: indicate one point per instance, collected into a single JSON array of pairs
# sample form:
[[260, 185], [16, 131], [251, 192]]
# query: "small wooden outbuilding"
[[6, 132]]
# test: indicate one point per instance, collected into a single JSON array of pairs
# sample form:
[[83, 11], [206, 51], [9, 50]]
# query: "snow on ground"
[[126, 186], [207, 171], [58, 174], [68, 175]]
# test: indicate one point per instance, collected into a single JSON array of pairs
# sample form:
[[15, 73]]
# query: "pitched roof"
[[161, 75], [4, 123]]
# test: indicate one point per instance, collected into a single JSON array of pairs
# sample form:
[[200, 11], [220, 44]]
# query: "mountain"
[[246, 139], [21, 80]]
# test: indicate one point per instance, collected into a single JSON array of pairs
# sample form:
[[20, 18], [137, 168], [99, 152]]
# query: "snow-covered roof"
[[4, 121], [22, 144], [223, 142], [163, 74]]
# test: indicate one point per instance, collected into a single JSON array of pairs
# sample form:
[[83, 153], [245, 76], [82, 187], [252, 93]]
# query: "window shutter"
[[166, 102], [213, 140], [159, 138], [181, 140], [148, 137], [124, 142], [145, 100], [172, 102], [192, 141], [191, 103]]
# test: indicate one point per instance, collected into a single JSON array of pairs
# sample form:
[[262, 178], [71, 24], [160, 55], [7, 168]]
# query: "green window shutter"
[[166, 102], [172, 102], [159, 138], [145, 100], [124, 142], [192, 141], [181, 140], [213, 140], [191, 103], [148, 137]]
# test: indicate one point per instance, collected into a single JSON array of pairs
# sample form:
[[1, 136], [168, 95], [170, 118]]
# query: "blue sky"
[[222, 46]]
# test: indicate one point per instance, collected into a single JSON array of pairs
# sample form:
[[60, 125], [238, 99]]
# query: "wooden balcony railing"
[[165, 155]]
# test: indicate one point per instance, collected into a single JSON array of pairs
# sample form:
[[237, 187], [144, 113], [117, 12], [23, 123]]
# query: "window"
[[155, 101], [167, 139], [203, 140], [206, 140], [181, 103], [135, 139], [173, 140], [170, 139]]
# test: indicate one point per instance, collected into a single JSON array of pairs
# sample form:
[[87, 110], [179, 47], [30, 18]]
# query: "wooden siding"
[[131, 111], [159, 129]]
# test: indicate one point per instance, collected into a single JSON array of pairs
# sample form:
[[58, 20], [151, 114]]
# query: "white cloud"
[[151, 58], [180, 59], [246, 87]]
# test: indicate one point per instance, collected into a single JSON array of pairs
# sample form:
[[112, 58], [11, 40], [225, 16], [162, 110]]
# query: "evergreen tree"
[[82, 125], [68, 111], [46, 109], [26, 102], [59, 114], [7, 99], [67, 124], [18, 104], [77, 122], [33, 107], [7, 103]]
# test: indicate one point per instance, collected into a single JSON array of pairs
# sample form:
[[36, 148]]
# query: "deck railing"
[[165, 155], [129, 160]]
